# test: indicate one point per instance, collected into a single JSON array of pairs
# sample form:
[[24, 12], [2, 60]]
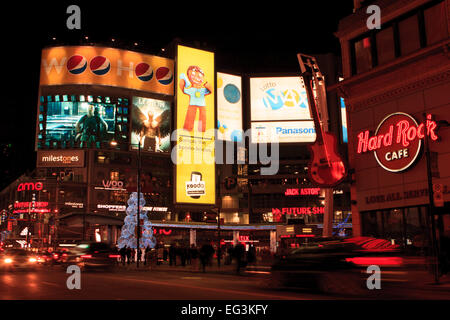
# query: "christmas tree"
[[128, 235]]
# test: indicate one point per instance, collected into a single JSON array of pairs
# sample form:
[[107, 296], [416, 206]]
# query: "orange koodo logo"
[[397, 140]]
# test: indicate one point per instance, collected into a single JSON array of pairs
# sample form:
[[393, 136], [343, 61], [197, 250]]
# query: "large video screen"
[[280, 111], [80, 124], [150, 121]]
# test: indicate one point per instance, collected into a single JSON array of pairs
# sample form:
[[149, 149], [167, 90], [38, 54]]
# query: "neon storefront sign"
[[397, 141], [30, 186], [298, 210], [302, 191]]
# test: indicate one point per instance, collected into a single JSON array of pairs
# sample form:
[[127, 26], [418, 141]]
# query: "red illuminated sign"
[[33, 186], [302, 192], [299, 210], [397, 140], [244, 238], [163, 231]]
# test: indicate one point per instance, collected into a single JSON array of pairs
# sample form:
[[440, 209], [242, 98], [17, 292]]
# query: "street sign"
[[438, 197]]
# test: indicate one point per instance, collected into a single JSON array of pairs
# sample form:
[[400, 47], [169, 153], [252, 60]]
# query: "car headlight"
[[32, 260], [8, 260]]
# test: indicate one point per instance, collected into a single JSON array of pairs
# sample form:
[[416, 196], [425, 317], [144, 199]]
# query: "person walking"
[[123, 255], [193, 254], [128, 253], [239, 252]]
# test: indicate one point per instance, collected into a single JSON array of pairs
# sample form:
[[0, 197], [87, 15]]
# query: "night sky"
[[247, 37]]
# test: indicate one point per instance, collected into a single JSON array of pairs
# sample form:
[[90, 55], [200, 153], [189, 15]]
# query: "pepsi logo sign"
[[100, 65], [76, 64], [164, 75], [144, 71]]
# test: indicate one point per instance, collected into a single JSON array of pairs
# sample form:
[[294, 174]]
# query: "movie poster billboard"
[[80, 124], [195, 124], [150, 120], [229, 107]]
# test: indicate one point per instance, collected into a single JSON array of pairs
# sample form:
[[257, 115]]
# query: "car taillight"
[[379, 261], [86, 256], [64, 255], [55, 256], [114, 256]]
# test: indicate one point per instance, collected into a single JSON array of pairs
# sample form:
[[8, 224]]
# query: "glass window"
[[435, 23], [56, 98], [65, 98], [408, 31], [82, 98], [385, 45], [363, 55]]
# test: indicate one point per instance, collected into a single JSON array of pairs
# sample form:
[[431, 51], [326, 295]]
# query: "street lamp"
[[138, 229]]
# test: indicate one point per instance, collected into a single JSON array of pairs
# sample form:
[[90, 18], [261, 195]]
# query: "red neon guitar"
[[326, 167]]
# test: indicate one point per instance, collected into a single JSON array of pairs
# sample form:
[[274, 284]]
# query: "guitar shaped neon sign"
[[326, 167]]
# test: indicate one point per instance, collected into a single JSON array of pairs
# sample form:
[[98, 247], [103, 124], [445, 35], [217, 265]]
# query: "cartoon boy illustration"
[[193, 86]]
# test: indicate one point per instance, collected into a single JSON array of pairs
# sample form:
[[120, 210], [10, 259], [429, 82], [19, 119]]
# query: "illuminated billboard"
[[150, 119], [280, 111], [195, 135], [229, 107], [83, 124], [108, 67]]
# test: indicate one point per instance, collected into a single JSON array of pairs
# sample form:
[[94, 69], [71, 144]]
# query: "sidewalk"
[[214, 268]]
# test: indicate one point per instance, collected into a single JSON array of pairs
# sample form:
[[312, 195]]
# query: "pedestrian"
[[123, 255], [165, 253], [138, 254], [251, 254], [172, 256], [128, 255], [183, 255], [204, 256], [146, 255], [160, 254], [239, 252], [193, 254]]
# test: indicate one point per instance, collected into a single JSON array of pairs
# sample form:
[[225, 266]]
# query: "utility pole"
[[138, 229], [431, 208]]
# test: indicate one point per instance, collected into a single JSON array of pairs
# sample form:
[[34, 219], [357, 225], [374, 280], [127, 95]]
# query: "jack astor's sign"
[[397, 141]]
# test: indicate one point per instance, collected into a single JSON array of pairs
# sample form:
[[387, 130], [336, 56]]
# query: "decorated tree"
[[129, 229]]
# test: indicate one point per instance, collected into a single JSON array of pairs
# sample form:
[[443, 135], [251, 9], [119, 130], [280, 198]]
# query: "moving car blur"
[[91, 255], [18, 259], [339, 265]]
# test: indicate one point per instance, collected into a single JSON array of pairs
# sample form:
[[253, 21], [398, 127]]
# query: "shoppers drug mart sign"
[[397, 141]]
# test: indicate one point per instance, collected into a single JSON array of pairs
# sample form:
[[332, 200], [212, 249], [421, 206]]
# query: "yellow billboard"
[[195, 123], [108, 67]]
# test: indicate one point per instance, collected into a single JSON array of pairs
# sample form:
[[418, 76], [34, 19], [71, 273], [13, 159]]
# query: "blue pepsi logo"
[[100, 65], [76, 64]]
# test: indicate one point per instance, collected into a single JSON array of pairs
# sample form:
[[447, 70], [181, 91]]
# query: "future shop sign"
[[397, 141]]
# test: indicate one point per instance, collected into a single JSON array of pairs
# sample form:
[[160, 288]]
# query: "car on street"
[[18, 259], [91, 255], [335, 265]]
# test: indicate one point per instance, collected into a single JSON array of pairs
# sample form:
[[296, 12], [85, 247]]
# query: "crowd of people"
[[198, 258]]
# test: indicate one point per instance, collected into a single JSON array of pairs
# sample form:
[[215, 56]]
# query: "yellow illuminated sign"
[[195, 123], [108, 67]]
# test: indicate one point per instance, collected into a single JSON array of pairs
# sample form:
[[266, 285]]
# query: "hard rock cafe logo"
[[397, 141]]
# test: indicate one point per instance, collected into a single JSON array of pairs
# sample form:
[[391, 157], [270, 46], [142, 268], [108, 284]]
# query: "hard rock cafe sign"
[[397, 141]]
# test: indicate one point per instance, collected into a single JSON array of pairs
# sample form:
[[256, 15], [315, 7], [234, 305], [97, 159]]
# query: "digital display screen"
[[151, 122], [81, 124]]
